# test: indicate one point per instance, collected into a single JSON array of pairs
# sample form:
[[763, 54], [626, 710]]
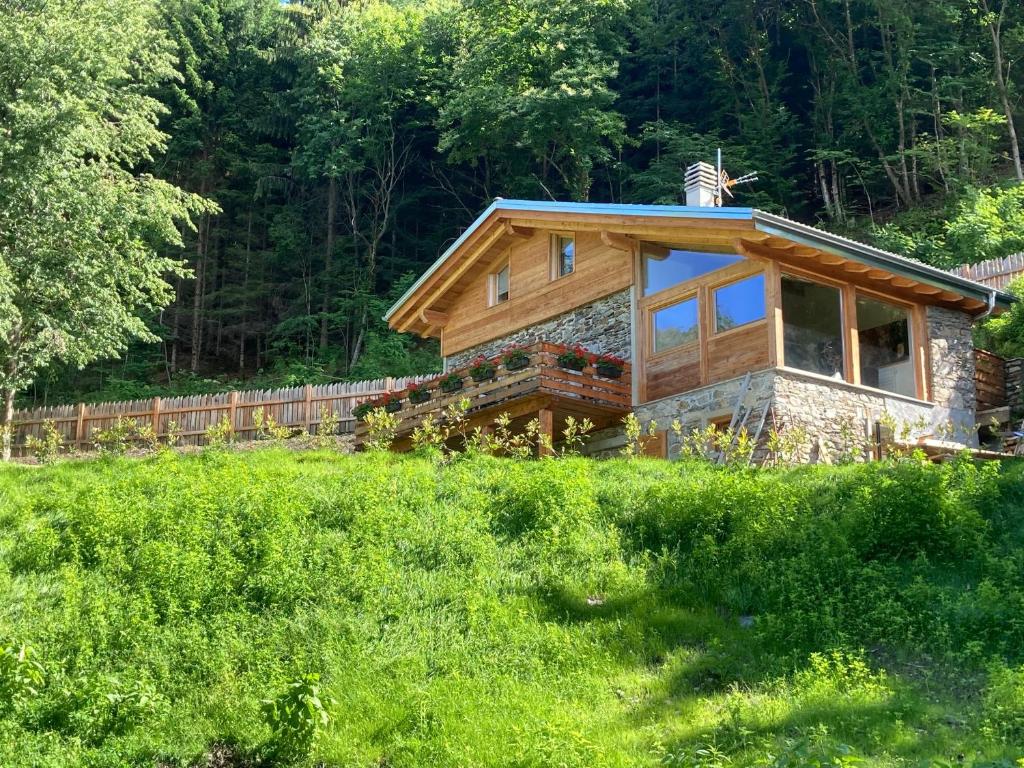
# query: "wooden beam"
[[927, 290], [773, 310], [851, 338], [902, 282], [514, 230], [831, 260], [855, 267], [433, 317], [617, 241], [468, 261], [546, 417]]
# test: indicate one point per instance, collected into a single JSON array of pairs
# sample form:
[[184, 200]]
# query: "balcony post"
[[546, 417]]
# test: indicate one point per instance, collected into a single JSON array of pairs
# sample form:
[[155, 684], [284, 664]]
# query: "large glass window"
[[739, 303], [883, 333], [676, 325], [564, 247], [665, 266], [812, 321]]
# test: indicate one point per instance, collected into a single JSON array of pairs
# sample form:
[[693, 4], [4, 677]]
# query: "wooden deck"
[[542, 390]]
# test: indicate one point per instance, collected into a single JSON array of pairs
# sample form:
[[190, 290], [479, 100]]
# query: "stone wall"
[[839, 417], [951, 347], [603, 326]]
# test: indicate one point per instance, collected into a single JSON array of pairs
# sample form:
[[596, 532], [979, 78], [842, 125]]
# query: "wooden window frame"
[[848, 293], [712, 315], [653, 309], [554, 255], [492, 284]]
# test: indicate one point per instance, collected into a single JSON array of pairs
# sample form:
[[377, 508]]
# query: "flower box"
[[575, 358], [360, 411], [482, 369], [451, 383], [609, 366], [418, 394], [515, 358]]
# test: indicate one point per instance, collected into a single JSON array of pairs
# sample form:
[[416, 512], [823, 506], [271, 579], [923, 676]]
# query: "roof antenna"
[[725, 184]]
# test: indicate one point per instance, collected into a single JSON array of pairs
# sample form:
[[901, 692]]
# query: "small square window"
[[563, 255], [676, 325], [499, 286], [739, 303]]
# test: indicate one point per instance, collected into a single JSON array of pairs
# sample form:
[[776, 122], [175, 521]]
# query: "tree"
[[81, 232]]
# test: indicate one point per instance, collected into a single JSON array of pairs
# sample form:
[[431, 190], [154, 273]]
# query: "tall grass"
[[489, 612]]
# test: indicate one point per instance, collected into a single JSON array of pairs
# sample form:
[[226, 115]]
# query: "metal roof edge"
[[866, 254]]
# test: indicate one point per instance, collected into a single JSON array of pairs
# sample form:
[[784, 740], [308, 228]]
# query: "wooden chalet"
[[724, 315]]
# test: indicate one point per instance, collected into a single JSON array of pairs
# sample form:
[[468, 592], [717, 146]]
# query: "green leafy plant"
[[297, 717], [636, 435], [46, 449], [575, 358], [116, 439], [381, 428], [267, 428], [515, 357], [360, 411], [21, 676], [418, 393], [220, 434], [609, 366], [482, 369], [327, 429], [452, 382]]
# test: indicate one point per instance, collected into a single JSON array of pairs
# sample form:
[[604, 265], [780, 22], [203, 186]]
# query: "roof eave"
[[875, 257]]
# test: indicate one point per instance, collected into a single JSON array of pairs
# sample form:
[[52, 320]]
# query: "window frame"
[[492, 283], [653, 353], [713, 304], [555, 255]]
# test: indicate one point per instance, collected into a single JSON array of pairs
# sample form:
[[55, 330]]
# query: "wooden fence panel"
[[193, 415]]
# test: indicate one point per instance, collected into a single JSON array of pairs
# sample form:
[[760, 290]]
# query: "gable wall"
[[534, 298]]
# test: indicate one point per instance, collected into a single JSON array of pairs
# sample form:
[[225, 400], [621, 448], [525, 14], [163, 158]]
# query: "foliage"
[[267, 427], [1003, 334], [297, 717], [21, 676], [46, 449], [84, 235], [381, 428], [220, 434], [564, 611], [327, 428], [122, 435], [481, 369], [576, 357]]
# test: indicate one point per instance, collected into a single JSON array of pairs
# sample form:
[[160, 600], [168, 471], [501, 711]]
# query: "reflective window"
[[883, 333], [739, 303], [812, 322], [665, 266], [676, 325], [565, 255], [501, 286]]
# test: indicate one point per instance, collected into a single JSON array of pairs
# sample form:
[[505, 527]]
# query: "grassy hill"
[[492, 612]]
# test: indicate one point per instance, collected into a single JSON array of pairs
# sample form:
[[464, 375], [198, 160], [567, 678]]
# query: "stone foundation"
[[603, 326], [951, 348]]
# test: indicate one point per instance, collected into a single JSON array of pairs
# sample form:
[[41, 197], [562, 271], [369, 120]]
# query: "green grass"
[[499, 613]]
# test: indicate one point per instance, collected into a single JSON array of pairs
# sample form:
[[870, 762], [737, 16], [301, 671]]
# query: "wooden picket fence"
[[297, 407]]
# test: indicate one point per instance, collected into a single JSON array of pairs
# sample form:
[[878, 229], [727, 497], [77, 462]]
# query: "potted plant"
[[451, 383], [574, 358], [515, 357], [482, 369], [418, 393], [609, 366], [361, 410], [391, 402]]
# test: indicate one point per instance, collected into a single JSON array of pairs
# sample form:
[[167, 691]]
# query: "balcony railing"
[[541, 384]]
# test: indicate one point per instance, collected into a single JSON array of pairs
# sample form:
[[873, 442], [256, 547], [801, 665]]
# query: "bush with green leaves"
[[21, 676], [297, 717], [48, 447]]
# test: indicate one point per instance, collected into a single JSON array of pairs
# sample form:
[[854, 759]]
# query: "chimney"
[[701, 185]]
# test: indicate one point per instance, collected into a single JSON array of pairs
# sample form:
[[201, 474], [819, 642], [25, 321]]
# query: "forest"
[[322, 153]]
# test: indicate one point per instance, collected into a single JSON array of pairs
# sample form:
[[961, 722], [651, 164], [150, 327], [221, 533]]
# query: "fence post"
[[155, 416], [232, 407], [308, 412], [79, 425]]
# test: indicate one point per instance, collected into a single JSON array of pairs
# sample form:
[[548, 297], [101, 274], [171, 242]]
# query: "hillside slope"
[[499, 613]]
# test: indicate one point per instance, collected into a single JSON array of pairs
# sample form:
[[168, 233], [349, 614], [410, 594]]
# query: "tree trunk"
[[332, 210], [7, 424], [995, 30], [200, 284]]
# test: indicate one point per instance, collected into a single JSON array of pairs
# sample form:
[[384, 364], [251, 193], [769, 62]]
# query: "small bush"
[[46, 449], [297, 717]]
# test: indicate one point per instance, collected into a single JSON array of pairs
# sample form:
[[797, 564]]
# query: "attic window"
[[499, 286], [665, 266], [563, 255]]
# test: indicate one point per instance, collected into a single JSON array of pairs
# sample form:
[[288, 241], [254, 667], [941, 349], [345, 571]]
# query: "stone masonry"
[[603, 327], [951, 347]]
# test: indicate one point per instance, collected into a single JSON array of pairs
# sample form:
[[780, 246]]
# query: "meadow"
[[279, 607]]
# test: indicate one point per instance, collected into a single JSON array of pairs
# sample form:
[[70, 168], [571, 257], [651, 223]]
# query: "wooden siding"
[[989, 380], [533, 295]]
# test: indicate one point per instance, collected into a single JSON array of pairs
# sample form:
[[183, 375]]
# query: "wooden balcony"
[[542, 389]]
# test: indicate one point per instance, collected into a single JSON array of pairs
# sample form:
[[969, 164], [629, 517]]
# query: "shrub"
[[119, 437], [267, 427], [220, 434], [1003, 702], [297, 717], [46, 449], [21, 676]]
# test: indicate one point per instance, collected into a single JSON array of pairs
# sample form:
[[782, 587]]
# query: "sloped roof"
[[767, 223]]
